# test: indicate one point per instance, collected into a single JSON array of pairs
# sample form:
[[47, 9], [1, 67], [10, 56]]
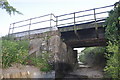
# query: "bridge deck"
[[85, 35]]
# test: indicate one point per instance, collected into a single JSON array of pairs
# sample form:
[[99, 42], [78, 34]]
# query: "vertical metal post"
[[51, 20], [75, 29], [56, 21], [74, 19], [74, 24], [9, 30], [13, 29], [29, 28], [96, 26]]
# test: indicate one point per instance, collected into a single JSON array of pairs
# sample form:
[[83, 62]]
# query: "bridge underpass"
[[85, 35], [91, 34]]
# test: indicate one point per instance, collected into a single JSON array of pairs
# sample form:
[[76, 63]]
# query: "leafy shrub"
[[112, 69], [93, 56], [13, 52], [17, 52], [39, 62], [113, 66]]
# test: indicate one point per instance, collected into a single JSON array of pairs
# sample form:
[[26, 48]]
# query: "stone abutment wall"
[[62, 56]]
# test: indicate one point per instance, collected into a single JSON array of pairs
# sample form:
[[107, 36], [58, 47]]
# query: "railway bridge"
[[58, 35]]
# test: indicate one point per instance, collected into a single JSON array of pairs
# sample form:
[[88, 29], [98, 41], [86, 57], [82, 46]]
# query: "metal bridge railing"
[[29, 26], [49, 21], [83, 16]]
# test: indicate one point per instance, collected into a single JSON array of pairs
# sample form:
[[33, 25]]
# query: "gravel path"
[[85, 71]]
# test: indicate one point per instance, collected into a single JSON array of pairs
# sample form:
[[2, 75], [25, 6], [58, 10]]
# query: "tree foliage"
[[9, 9], [113, 36], [13, 52]]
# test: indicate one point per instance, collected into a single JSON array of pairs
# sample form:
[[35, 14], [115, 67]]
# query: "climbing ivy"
[[112, 69]]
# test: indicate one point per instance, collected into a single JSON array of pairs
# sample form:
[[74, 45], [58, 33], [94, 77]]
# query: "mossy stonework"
[[57, 51]]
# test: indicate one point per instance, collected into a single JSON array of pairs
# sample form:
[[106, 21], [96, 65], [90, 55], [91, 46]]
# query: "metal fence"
[[80, 17], [33, 25], [51, 22]]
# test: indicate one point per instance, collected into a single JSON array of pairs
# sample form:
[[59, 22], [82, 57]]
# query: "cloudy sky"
[[34, 8]]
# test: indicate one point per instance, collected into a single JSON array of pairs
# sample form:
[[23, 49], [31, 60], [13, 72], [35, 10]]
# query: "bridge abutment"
[[62, 56]]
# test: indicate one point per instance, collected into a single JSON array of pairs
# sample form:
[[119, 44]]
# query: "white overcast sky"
[[34, 8]]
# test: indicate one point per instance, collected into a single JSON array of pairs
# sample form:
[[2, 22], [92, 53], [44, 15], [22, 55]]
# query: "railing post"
[[9, 30], [74, 23], [50, 19], [29, 29], [74, 19], [96, 26], [56, 21], [13, 28], [75, 29]]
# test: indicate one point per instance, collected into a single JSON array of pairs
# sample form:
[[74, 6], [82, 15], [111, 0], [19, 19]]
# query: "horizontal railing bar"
[[104, 7], [22, 26], [85, 10], [75, 12], [32, 23], [65, 14], [102, 18], [91, 14], [41, 16], [102, 12], [94, 9], [84, 15], [20, 21], [81, 16], [31, 18], [40, 22], [90, 20], [66, 23], [66, 19], [32, 30], [83, 21]]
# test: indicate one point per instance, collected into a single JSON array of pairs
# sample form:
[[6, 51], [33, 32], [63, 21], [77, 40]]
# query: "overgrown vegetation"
[[113, 35], [40, 63], [17, 52], [93, 56], [13, 52]]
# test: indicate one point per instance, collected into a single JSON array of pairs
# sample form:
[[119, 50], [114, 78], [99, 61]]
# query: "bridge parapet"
[[50, 22]]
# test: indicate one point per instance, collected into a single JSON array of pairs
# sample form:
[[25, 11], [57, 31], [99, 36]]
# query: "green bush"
[[93, 56], [13, 52], [39, 62], [112, 68], [17, 52]]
